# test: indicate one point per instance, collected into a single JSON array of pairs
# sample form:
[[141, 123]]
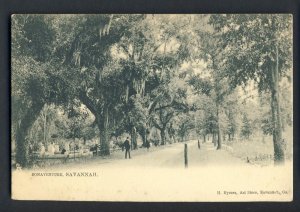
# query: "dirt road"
[[169, 156]]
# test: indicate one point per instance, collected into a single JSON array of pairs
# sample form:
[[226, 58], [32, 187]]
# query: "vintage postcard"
[[152, 107]]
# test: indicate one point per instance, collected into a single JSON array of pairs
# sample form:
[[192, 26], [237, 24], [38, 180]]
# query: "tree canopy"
[[182, 75]]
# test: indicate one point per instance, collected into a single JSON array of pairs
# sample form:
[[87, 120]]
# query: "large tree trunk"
[[219, 141], [276, 116], [104, 133], [163, 136], [144, 137], [45, 125], [22, 131], [133, 138], [102, 122]]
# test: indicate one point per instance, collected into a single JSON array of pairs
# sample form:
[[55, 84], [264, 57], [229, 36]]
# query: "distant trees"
[[233, 112], [246, 128], [186, 122], [215, 84], [171, 102]]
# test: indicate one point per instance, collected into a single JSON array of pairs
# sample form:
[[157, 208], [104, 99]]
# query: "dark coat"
[[126, 145]]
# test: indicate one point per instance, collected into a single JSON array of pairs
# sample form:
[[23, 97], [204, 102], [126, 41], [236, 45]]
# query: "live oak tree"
[[91, 76], [258, 47], [108, 79], [47, 63], [149, 60], [138, 52], [32, 39], [171, 103]]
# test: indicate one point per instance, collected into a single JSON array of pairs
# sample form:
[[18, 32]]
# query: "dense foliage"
[[99, 76]]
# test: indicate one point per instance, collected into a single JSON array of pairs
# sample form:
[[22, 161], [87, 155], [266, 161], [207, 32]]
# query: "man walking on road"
[[127, 147]]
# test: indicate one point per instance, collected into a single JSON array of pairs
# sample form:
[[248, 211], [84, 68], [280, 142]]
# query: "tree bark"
[[279, 157], [133, 138], [45, 125], [214, 139], [102, 122], [144, 136], [219, 141], [22, 131], [163, 136], [104, 133]]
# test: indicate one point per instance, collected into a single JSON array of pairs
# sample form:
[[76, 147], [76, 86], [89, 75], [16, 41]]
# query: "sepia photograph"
[[152, 107]]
